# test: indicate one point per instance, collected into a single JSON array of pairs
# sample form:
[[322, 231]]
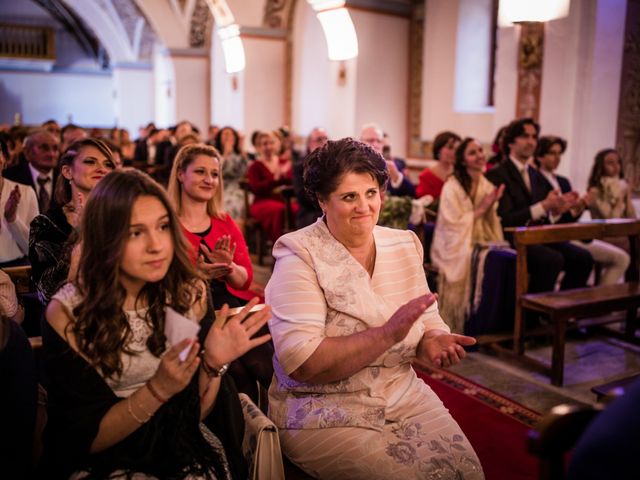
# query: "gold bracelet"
[[135, 417]]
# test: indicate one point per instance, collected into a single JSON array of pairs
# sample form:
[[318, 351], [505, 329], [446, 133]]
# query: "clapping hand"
[[490, 198], [230, 338], [217, 263], [11, 206], [398, 326], [443, 350]]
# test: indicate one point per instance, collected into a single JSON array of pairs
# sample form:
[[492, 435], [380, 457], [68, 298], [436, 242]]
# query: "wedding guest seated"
[[69, 134], [234, 168], [432, 179], [467, 220], [18, 206], [527, 199], [126, 398], [351, 310], [497, 148], [196, 190], [613, 260], [308, 208], [37, 168], [608, 447], [610, 192], [18, 401], [266, 176], [399, 184], [82, 166]]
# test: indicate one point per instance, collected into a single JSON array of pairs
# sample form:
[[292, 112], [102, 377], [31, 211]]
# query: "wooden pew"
[[21, 278], [577, 303]]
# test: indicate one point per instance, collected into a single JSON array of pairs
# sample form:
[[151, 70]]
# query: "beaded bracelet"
[[155, 393]]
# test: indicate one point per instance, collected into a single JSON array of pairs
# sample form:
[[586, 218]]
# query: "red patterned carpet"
[[496, 426]]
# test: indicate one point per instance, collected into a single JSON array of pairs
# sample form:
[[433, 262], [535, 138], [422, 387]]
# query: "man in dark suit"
[[529, 199], [36, 169]]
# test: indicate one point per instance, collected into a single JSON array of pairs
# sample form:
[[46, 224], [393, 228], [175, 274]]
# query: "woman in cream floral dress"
[[350, 310]]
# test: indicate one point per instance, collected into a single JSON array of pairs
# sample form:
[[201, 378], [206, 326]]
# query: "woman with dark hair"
[[126, 397], [467, 217], [497, 148], [267, 175], [351, 311], [613, 260], [81, 166], [234, 168], [610, 193], [18, 207], [432, 179], [217, 245]]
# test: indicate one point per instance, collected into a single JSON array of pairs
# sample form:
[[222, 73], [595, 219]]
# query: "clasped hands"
[[558, 203], [437, 347], [228, 339], [217, 263]]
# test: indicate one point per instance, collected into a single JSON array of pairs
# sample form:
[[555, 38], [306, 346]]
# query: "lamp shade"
[[232, 48], [342, 42], [513, 11]]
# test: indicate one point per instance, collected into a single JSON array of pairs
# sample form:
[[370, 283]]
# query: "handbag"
[[261, 444]]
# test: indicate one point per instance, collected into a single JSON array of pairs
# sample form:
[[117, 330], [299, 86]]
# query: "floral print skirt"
[[419, 440]]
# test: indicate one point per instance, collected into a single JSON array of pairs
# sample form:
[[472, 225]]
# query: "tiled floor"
[[590, 361]]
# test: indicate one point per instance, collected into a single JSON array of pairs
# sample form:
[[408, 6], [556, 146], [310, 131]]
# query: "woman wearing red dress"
[[218, 247], [432, 180], [267, 175]]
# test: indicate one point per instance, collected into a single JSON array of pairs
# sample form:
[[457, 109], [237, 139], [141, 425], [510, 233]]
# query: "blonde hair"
[[185, 156]]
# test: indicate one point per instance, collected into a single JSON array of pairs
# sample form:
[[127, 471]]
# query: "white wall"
[[439, 77], [383, 75], [311, 74], [192, 89], [84, 99], [227, 103], [164, 88], [264, 98], [133, 96]]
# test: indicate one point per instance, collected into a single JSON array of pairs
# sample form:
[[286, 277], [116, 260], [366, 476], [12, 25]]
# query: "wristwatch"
[[214, 372]]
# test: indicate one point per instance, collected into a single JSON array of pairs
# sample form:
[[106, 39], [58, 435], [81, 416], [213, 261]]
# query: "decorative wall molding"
[[415, 145], [530, 54], [200, 25], [276, 13], [628, 134]]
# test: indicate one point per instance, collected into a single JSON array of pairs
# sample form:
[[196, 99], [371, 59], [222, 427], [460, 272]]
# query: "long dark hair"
[[597, 171], [236, 140], [62, 194], [101, 327], [460, 169]]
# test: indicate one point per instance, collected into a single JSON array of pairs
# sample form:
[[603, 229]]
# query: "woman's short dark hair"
[[516, 129], [544, 146], [441, 141], [325, 167], [236, 140], [62, 194]]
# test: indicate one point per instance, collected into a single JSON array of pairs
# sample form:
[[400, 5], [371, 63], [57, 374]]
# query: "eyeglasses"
[[45, 147]]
